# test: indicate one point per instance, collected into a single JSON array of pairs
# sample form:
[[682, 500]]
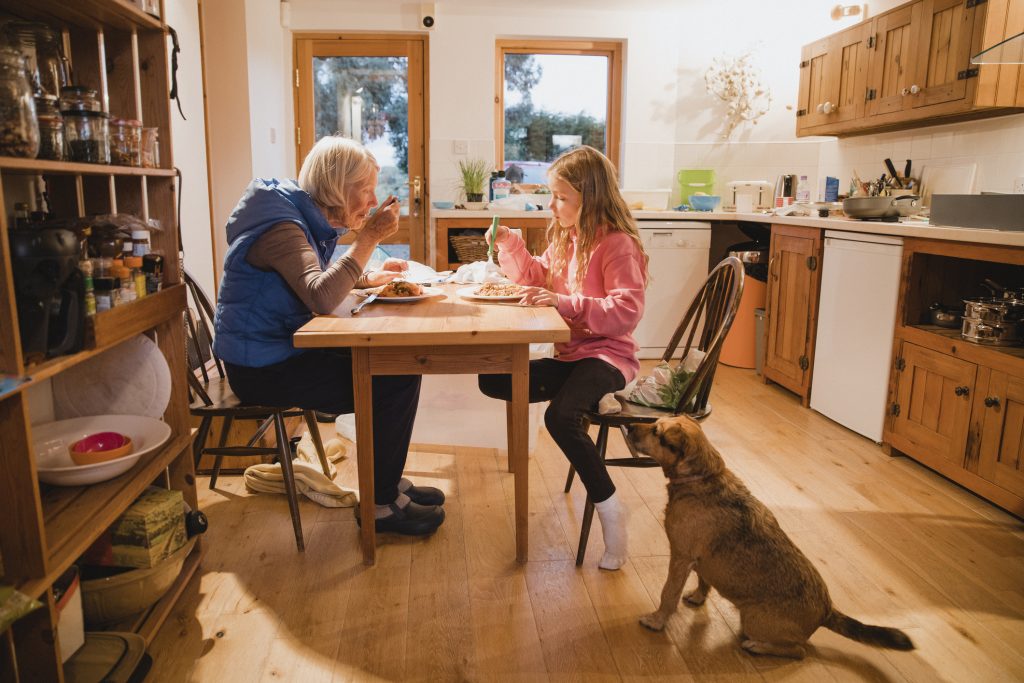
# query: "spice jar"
[[79, 98], [51, 128], [151, 147], [153, 267], [45, 63], [125, 142], [19, 129], [140, 242], [88, 136], [106, 292]]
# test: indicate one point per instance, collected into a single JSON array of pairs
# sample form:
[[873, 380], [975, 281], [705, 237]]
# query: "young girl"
[[593, 272]]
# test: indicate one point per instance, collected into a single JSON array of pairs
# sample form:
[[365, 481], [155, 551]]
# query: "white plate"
[[428, 292], [52, 439], [468, 293]]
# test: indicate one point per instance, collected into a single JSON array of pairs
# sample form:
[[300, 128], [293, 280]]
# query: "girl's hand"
[[538, 296], [396, 265], [500, 235], [376, 278]]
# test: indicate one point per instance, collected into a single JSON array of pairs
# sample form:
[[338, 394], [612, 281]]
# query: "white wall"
[[188, 142]]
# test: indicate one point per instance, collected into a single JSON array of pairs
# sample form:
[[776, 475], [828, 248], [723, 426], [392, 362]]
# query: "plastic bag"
[[667, 383]]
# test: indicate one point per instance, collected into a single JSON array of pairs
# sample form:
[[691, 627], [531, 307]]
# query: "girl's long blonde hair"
[[602, 209]]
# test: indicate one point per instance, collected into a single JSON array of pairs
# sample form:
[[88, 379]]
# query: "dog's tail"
[[879, 636]]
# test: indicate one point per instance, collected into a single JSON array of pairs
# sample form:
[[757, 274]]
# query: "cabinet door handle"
[[962, 391], [914, 90], [991, 401]]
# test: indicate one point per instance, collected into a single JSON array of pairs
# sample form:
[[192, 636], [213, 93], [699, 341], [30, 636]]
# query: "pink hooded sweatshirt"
[[604, 314]]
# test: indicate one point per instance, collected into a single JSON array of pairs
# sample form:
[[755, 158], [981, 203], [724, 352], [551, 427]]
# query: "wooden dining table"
[[445, 334]]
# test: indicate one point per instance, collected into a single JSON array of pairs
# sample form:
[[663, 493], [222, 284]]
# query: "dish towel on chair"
[[309, 481]]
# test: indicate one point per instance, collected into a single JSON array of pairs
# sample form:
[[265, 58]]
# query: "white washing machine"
[[678, 265]]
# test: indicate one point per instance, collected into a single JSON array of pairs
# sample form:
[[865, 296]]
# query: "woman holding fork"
[[277, 274]]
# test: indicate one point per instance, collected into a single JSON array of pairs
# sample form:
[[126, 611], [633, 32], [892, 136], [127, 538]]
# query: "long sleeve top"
[[604, 313], [284, 248]]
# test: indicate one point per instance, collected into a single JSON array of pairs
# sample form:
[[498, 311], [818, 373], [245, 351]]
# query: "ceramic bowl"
[[704, 202], [100, 447], [443, 205]]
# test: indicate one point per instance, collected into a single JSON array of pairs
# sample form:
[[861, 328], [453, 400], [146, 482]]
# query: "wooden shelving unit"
[[120, 51]]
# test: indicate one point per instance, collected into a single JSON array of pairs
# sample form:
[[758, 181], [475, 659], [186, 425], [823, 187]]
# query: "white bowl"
[[52, 439]]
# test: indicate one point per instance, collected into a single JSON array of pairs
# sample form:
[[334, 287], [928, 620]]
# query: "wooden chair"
[[704, 327], [210, 396]]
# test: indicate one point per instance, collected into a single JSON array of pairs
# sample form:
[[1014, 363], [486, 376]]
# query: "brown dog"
[[732, 541]]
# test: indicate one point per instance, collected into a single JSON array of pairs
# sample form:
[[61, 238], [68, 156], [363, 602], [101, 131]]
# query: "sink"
[[986, 211]]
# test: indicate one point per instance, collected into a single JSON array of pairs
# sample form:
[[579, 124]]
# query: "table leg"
[[362, 387], [518, 418], [508, 436]]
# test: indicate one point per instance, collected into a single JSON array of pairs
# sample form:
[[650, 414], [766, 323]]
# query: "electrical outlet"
[[460, 146], [1018, 184]]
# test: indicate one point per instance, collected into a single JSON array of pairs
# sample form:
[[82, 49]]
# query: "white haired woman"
[[277, 274]]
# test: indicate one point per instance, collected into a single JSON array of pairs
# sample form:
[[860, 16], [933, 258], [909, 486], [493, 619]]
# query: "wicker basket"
[[469, 248]]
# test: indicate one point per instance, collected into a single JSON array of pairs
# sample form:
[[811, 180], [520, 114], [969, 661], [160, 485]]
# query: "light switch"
[[273, 136], [460, 146]]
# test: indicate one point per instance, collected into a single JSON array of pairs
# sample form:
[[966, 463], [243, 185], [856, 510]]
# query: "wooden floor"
[[897, 544]]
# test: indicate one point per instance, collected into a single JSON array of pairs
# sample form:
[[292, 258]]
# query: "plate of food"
[[401, 291], [493, 291]]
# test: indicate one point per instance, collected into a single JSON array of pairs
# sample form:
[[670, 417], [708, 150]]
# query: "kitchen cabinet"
[[910, 66], [957, 406], [120, 51], [791, 307], [445, 257]]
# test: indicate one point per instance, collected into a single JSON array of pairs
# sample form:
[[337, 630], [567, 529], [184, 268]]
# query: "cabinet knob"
[[828, 108], [962, 391], [820, 108], [991, 401], [905, 91], [914, 90]]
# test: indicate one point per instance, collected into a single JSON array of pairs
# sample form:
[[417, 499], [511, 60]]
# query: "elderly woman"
[[277, 274]]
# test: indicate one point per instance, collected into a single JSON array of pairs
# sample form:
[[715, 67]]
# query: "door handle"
[[417, 196]]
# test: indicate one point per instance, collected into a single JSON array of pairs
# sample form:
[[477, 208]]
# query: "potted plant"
[[474, 173]]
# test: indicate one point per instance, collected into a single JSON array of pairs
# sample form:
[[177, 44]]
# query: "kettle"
[[785, 186]]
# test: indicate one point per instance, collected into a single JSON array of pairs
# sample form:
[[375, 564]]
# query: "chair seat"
[[224, 402], [629, 413]]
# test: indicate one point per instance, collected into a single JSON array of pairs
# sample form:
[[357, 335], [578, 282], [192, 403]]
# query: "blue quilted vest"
[[257, 312]]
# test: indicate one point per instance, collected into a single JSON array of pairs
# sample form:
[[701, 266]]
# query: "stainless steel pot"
[[994, 310], [944, 316], [880, 207], [995, 334]]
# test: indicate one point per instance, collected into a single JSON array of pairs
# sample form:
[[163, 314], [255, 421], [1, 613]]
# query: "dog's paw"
[[654, 621], [758, 647], [695, 599]]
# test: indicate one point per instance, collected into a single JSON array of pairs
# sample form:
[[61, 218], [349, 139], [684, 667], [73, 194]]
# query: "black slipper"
[[412, 520]]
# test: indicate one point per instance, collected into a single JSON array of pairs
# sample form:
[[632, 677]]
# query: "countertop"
[[908, 228]]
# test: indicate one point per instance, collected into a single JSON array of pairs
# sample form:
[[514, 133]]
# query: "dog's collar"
[[688, 480]]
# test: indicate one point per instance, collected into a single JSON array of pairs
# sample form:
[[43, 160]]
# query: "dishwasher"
[[678, 266], [856, 319]]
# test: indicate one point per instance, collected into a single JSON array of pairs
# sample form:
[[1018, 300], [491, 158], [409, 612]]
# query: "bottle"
[[104, 293], [490, 186], [153, 267], [501, 186], [85, 265], [803, 190], [140, 243], [134, 264]]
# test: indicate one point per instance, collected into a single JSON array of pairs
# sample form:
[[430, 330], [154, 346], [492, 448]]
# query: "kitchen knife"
[[362, 303], [892, 171]]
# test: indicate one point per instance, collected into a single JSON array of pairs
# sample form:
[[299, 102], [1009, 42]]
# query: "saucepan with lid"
[[994, 320]]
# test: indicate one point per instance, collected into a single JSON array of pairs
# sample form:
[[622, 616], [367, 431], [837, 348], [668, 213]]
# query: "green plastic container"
[[692, 181]]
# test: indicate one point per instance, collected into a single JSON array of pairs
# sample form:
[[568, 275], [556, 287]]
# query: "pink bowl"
[[100, 447]]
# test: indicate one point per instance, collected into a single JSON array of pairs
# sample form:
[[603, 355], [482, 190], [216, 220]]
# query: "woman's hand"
[[396, 265], [384, 221], [376, 278], [538, 296], [500, 235]]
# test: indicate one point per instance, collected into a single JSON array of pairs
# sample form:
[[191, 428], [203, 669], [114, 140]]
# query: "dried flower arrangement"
[[738, 84]]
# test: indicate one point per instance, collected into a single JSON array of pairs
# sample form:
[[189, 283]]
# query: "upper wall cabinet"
[[910, 67]]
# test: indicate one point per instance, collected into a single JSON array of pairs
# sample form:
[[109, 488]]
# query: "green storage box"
[[692, 181]]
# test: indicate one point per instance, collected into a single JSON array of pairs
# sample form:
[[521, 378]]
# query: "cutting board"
[[947, 179]]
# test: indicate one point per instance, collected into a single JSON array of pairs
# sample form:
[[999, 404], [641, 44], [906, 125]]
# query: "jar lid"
[[85, 112], [134, 123], [140, 234], [103, 282], [133, 261]]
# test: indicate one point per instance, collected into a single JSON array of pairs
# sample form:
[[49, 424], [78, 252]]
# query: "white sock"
[[386, 511], [614, 527]]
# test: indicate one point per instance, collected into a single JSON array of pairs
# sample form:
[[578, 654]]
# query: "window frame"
[[612, 50]]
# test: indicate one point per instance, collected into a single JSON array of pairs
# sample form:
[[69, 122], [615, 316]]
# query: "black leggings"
[[321, 379], [574, 388]]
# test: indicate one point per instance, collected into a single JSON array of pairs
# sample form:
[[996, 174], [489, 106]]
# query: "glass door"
[[370, 89]]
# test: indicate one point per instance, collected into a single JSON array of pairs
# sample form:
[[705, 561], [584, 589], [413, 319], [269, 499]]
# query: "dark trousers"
[[574, 388], [321, 379]]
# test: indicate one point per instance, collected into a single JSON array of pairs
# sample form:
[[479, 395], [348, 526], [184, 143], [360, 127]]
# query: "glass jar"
[[44, 59], [79, 98], [151, 147], [126, 142], [88, 136], [51, 128], [19, 129]]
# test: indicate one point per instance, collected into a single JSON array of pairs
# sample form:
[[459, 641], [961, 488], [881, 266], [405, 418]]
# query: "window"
[[553, 96]]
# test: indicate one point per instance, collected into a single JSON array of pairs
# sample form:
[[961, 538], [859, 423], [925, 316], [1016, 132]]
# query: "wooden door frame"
[[613, 50], [418, 238]]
